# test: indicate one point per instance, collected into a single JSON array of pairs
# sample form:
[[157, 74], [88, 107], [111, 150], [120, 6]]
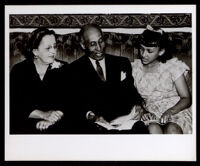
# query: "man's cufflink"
[[90, 115]]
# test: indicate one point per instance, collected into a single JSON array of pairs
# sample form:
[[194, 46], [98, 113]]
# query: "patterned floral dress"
[[159, 91]]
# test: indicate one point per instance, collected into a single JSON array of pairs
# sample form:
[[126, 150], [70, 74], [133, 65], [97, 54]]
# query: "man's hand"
[[102, 122], [118, 121]]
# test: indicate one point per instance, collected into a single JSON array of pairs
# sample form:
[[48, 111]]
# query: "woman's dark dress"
[[28, 92]]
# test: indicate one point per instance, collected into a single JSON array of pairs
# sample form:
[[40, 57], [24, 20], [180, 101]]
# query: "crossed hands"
[[49, 118]]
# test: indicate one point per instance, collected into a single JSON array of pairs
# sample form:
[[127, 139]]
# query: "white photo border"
[[99, 147]]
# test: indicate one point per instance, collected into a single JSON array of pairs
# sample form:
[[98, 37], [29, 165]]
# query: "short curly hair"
[[150, 38], [35, 39]]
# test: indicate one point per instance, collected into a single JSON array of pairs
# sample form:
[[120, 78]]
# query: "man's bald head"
[[92, 41], [88, 28]]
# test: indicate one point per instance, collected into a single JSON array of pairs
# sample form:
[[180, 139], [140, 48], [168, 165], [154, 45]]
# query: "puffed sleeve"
[[177, 68], [136, 67]]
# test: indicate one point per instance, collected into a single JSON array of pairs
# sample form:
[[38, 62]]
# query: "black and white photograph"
[[100, 82]]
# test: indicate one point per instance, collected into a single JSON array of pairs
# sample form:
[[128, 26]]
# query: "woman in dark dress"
[[35, 87]]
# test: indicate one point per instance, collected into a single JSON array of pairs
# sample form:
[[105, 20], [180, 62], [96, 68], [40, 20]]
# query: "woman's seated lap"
[[160, 80]]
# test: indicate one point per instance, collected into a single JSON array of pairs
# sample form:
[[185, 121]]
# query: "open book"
[[125, 122], [124, 126]]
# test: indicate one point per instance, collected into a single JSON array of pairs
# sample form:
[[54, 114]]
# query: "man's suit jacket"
[[110, 99]]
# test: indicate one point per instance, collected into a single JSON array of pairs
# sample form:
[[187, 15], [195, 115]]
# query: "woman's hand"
[[52, 116], [43, 125], [166, 116], [139, 112], [149, 116], [101, 119]]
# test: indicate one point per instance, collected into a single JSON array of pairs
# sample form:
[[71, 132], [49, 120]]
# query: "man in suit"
[[104, 84]]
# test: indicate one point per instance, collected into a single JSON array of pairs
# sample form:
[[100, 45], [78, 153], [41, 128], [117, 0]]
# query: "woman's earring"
[[161, 52], [35, 52]]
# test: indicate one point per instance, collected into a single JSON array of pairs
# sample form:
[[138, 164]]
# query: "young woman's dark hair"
[[35, 39], [156, 38]]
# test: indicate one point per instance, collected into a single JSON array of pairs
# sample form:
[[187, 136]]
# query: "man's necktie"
[[100, 71]]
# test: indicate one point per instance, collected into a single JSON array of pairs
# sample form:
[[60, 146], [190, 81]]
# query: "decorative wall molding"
[[103, 20]]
